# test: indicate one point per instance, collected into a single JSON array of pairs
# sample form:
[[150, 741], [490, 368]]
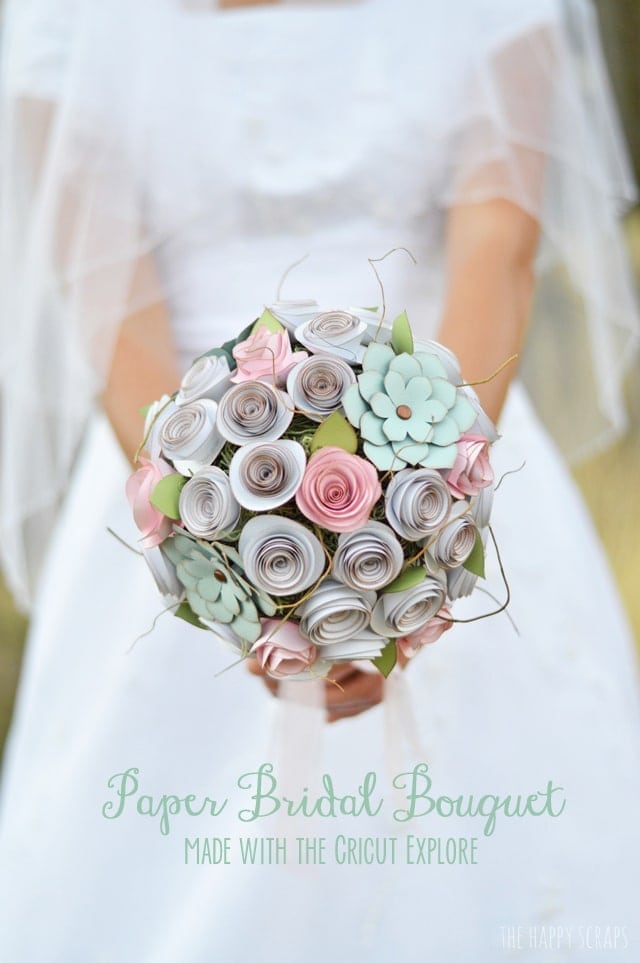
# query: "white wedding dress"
[[285, 157]]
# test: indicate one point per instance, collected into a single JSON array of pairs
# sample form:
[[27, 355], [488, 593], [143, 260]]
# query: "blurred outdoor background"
[[610, 482]]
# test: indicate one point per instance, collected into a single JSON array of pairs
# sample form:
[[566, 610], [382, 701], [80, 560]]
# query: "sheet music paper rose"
[[319, 490]]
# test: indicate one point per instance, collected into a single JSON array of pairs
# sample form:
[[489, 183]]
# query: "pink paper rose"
[[472, 469], [281, 651], [266, 356], [154, 526], [338, 490], [431, 632]]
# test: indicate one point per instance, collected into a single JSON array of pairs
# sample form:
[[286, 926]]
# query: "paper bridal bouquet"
[[318, 490]]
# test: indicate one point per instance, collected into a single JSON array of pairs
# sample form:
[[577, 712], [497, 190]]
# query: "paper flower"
[[253, 411], [207, 507], [164, 575], [189, 437], [417, 502], [338, 333], [335, 613], [481, 505], [363, 644], [281, 651], [216, 587], [317, 385], [369, 558], [338, 490], [407, 409], [265, 475], [471, 471], [431, 632], [155, 418], [208, 377], [404, 612], [266, 356], [455, 541], [153, 525], [279, 555]]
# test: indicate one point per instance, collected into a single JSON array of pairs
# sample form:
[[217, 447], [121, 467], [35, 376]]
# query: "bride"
[[163, 163]]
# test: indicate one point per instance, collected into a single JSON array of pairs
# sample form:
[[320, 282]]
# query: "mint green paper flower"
[[215, 585], [406, 409]]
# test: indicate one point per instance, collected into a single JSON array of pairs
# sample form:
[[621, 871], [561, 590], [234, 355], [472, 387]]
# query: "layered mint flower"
[[406, 409]]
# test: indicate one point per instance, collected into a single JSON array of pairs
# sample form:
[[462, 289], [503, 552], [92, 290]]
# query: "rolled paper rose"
[[153, 525], [155, 418], [189, 437], [254, 411], [365, 644], [266, 356], [164, 575], [281, 651], [207, 506], [417, 502], [208, 377], [460, 582], [265, 475], [431, 632], [472, 469], [403, 613], [455, 542], [317, 385], [335, 613], [338, 333], [481, 505], [279, 555], [338, 490], [227, 636], [369, 558], [294, 313]]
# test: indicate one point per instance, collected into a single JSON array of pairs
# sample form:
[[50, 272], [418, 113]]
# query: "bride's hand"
[[348, 690]]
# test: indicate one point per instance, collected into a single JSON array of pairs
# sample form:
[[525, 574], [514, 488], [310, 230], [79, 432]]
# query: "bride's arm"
[[144, 365], [490, 252]]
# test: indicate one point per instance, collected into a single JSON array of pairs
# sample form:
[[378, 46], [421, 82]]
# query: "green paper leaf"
[[184, 611], [407, 579], [475, 562], [166, 495], [335, 431], [269, 321], [144, 411], [387, 658], [401, 336]]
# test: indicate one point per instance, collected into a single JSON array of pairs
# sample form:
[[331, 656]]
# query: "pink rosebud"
[[153, 525], [281, 651], [338, 490], [431, 632], [265, 356], [472, 469]]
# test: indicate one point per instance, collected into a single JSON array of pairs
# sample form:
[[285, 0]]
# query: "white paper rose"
[[155, 418], [207, 506], [254, 411], [208, 377], [189, 437], [338, 333], [369, 558], [455, 542], [335, 613], [365, 644], [265, 475], [406, 611], [417, 502], [164, 575], [279, 555], [481, 505], [318, 384]]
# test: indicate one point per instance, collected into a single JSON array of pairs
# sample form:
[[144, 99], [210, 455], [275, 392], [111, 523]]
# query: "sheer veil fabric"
[[90, 175]]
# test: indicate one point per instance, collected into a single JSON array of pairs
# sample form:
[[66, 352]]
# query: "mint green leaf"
[[144, 411], [407, 579], [269, 321], [475, 562], [387, 658], [401, 336], [184, 611], [335, 431], [166, 495]]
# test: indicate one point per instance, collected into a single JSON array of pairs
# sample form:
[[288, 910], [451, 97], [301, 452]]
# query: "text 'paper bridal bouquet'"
[[318, 490]]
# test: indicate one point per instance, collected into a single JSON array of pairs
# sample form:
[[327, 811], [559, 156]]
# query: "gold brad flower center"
[[404, 412], [220, 576]]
